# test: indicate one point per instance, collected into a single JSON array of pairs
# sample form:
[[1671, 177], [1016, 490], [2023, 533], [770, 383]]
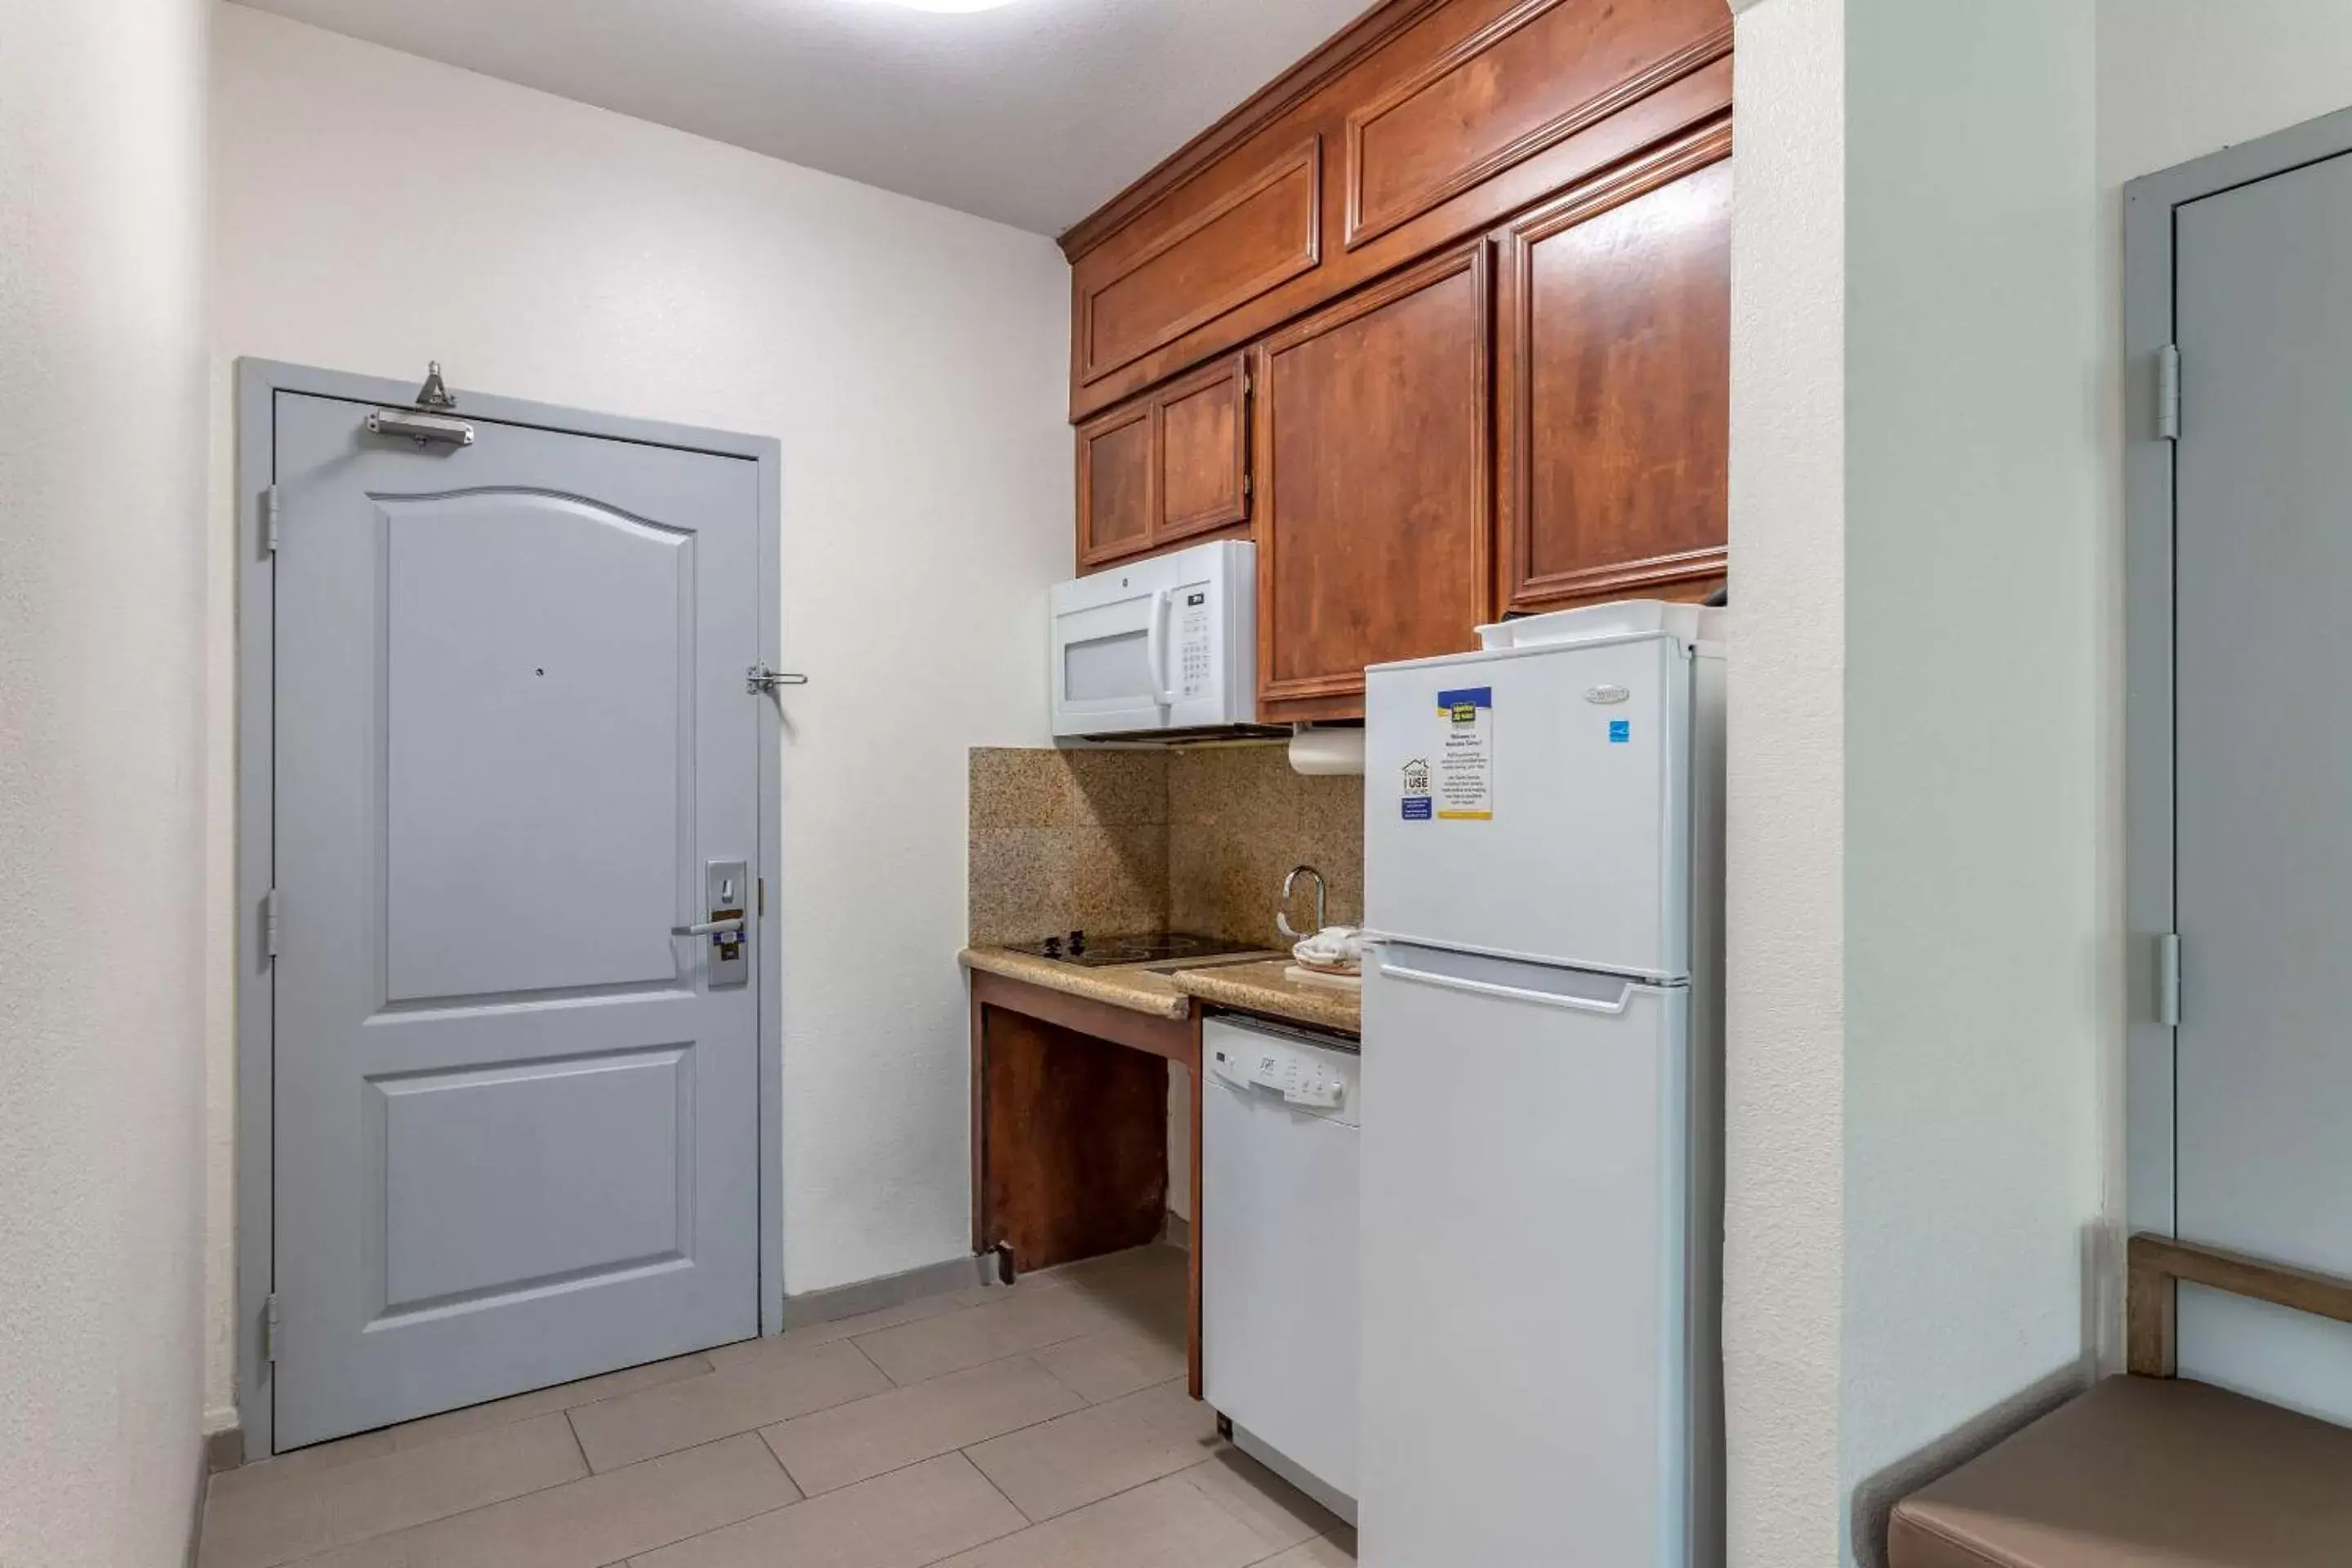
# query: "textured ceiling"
[[1033, 114]]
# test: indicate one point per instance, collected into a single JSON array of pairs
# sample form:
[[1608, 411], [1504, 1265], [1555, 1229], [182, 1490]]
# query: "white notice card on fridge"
[[1466, 756]]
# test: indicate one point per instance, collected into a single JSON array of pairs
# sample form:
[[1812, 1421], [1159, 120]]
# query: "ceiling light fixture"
[[951, 5]]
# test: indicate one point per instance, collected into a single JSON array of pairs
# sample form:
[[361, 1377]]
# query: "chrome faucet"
[[1282, 914]]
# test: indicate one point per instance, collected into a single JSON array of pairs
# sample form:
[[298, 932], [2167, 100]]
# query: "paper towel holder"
[[1322, 751]]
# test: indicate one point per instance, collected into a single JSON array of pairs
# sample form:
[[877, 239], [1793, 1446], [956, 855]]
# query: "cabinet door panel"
[[1203, 452], [1375, 486], [1116, 465], [1533, 77], [1261, 231], [1615, 360]]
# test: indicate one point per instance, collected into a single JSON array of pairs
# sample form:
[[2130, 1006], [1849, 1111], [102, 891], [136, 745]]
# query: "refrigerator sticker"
[[1621, 732], [1417, 803], [1466, 761]]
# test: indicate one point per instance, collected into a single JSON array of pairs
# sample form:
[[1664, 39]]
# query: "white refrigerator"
[[1542, 1131]]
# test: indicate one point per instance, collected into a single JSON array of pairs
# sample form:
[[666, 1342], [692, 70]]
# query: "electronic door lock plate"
[[725, 883]]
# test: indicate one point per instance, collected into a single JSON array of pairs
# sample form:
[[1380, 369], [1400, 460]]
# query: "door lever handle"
[[731, 925]]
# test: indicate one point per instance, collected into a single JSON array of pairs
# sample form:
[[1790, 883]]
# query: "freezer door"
[[1525, 1327], [1534, 804]]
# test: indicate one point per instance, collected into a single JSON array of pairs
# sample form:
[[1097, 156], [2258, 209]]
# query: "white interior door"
[[517, 1130], [2263, 766]]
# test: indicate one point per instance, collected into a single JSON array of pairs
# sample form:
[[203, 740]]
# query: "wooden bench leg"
[[2152, 1319]]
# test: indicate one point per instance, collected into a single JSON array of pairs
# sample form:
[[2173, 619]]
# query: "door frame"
[[2151, 1048], [258, 382]]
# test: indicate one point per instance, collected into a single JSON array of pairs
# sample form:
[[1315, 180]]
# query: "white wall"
[[1978, 949], [2179, 78], [1923, 951], [101, 700], [374, 210], [1784, 888]]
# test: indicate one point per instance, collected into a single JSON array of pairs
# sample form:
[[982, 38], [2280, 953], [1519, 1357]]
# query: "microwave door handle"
[[1155, 648]]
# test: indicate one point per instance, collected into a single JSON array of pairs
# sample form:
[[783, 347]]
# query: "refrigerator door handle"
[[1508, 993]]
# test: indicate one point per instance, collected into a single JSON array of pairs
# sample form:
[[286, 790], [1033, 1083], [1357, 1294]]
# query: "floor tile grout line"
[[712, 1369], [573, 1427], [563, 1410], [1028, 1349], [1026, 1522], [798, 1485], [1107, 1496], [535, 1491], [1000, 1491], [1220, 1504], [965, 1451], [852, 1341]]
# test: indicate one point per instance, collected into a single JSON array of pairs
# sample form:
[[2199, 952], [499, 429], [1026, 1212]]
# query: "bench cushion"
[[2142, 1472]]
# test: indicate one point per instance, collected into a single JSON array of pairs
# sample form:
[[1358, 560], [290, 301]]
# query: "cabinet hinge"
[[1246, 486], [272, 508], [270, 1325], [269, 923], [2168, 979], [2167, 393]]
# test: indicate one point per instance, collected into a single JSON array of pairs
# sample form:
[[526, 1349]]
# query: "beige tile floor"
[[1040, 1427]]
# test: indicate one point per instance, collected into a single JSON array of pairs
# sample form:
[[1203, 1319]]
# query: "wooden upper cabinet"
[[1613, 361], [1166, 467], [1204, 478], [1116, 502], [1375, 486], [1424, 122], [1229, 238]]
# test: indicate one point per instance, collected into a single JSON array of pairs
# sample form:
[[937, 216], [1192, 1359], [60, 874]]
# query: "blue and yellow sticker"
[[1462, 706]]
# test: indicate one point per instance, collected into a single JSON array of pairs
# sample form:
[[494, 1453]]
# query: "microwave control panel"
[[1193, 655]]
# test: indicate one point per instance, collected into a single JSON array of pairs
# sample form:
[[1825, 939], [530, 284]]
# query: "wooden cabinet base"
[[1069, 1130], [1077, 1141]]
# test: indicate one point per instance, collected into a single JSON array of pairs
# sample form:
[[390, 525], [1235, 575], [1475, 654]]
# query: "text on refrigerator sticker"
[[1466, 758]]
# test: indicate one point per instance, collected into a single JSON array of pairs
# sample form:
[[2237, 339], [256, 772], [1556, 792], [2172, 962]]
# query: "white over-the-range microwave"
[[1161, 650]]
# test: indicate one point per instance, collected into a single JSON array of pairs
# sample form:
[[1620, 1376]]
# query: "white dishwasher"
[[1278, 1177]]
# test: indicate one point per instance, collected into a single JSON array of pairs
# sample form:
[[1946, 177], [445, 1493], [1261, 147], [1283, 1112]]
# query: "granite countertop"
[[1252, 985], [1133, 986], [1262, 987]]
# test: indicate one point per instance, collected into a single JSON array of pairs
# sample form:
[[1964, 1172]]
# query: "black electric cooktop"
[[1152, 947]]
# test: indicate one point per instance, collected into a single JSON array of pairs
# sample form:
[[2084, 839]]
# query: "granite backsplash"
[[1196, 839]]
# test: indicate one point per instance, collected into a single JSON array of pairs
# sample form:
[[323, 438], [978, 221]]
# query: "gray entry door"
[[2264, 832], [517, 1129]]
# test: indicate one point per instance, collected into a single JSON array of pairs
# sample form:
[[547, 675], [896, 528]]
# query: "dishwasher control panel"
[[1308, 1077]]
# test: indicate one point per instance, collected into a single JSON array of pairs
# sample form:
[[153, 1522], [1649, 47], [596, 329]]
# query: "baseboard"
[[224, 1449], [838, 1301], [1177, 1232]]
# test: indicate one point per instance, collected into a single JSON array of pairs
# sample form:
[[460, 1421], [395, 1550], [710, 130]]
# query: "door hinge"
[[2167, 393], [270, 1325], [269, 923], [2167, 979], [272, 509]]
